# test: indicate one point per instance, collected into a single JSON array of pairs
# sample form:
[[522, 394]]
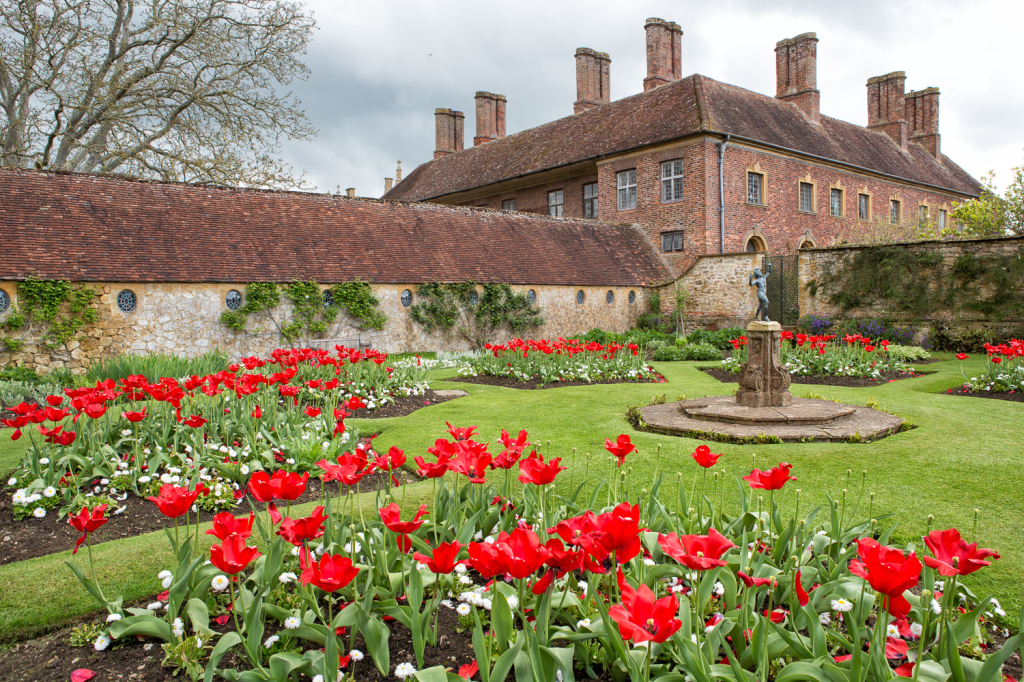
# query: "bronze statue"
[[761, 282]]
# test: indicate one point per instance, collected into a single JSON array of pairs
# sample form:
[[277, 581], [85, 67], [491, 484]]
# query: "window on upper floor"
[[942, 218], [835, 204], [508, 205], [806, 197], [556, 205], [922, 214], [672, 241], [894, 211], [864, 207], [626, 186], [672, 181], [590, 200], [755, 188]]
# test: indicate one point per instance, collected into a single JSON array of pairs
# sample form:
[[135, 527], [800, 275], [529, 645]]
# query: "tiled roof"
[[105, 229], [685, 107]]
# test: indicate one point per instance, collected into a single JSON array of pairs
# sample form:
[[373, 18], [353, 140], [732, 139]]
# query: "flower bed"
[[560, 581], [544, 362], [99, 445], [823, 355], [1004, 371]]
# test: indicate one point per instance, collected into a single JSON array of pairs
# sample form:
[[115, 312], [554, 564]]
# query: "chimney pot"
[[398, 172], [664, 65], [796, 74], [449, 132], [592, 79], [887, 106], [490, 117], [388, 184], [350, 192]]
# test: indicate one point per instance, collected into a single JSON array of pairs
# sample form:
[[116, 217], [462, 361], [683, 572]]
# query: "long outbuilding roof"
[[106, 229], [691, 105]]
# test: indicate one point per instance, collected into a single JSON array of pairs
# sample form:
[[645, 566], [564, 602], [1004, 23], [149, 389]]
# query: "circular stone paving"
[[804, 420]]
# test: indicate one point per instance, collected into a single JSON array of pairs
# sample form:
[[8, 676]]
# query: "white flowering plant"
[[561, 360]]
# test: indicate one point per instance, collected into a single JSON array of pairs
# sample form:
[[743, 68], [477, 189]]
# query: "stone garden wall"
[[718, 288], [815, 264], [184, 319]]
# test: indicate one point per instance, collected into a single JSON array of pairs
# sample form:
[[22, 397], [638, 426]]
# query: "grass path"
[[967, 454]]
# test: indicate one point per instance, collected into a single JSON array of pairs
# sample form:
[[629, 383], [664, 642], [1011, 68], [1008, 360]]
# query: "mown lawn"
[[966, 454]]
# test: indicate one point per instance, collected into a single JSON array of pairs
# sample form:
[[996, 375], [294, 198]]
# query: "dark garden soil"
[[30, 538], [728, 377], [510, 382], [53, 658], [1013, 396], [401, 406]]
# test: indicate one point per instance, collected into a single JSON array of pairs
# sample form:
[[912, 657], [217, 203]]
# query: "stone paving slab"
[[451, 394], [860, 423], [801, 411]]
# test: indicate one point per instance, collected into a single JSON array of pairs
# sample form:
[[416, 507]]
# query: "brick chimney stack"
[[922, 109], [490, 117], [796, 74], [887, 106], [593, 79], [450, 132], [664, 65]]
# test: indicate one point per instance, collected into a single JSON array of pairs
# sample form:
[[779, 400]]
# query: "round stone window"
[[632, 297], [126, 301], [5, 301], [580, 297], [609, 297], [233, 299], [531, 297], [407, 298], [328, 298], [474, 297]]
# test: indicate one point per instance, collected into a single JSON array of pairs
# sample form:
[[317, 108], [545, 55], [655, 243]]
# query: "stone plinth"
[[764, 382]]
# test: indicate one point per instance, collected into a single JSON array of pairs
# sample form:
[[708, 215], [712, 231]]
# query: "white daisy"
[[46, 460], [12, 481], [513, 601], [916, 629], [465, 580], [286, 578], [460, 569], [113, 617], [292, 622], [39, 512], [163, 574], [405, 670], [649, 562], [178, 627], [585, 623], [220, 583], [892, 630], [462, 609], [356, 655], [101, 643], [154, 606], [842, 605], [936, 607], [318, 678], [167, 582], [718, 589], [824, 618], [271, 641], [353, 547]]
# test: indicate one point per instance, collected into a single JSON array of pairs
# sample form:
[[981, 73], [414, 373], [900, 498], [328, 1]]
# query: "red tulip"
[[524, 554], [641, 618], [95, 410], [355, 403], [54, 400], [962, 356], [55, 415], [542, 585], [697, 552], [571, 560], [393, 460], [256, 412], [135, 417], [283, 485], [195, 421], [534, 470], [512, 452], [772, 479], [471, 460], [486, 559], [174, 501], [953, 556], [888, 571], [225, 525], [620, 530], [801, 594], [232, 555], [391, 516], [461, 433], [467, 671], [349, 469], [432, 469], [777, 615], [296, 531], [312, 412], [331, 573], [86, 522], [753, 582], [443, 559], [702, 455], [620, 448]]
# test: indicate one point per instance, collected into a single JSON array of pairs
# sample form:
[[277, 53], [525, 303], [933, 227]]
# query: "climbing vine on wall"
[[924, 284], [312, 313], [458, 307], [54, 309]]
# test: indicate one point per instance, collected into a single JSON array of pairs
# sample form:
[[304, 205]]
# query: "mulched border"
[[536, 384], [402, 406], [727, 377], [1012, 396]]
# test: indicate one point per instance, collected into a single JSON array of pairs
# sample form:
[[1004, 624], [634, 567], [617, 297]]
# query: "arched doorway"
[[755, 244]]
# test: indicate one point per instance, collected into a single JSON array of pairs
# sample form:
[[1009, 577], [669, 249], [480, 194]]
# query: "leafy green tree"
[[992, 215]]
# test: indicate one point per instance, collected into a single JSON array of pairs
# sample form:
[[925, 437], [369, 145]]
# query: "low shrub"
[[908, 353], [17, 392], [668, 354], [815, 324], [719, 339], [526, 360], [1004, 370], [701, 351]]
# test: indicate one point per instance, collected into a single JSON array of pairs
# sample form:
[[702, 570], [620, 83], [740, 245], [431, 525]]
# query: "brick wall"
[[184, 319]]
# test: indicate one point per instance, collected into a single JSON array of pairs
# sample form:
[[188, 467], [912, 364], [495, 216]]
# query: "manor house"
[[702, 166]]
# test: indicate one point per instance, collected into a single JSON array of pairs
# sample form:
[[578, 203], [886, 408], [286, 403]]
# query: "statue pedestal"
[[763, 380]]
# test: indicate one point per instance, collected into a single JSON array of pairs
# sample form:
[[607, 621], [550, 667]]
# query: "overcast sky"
[[379, 69]]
